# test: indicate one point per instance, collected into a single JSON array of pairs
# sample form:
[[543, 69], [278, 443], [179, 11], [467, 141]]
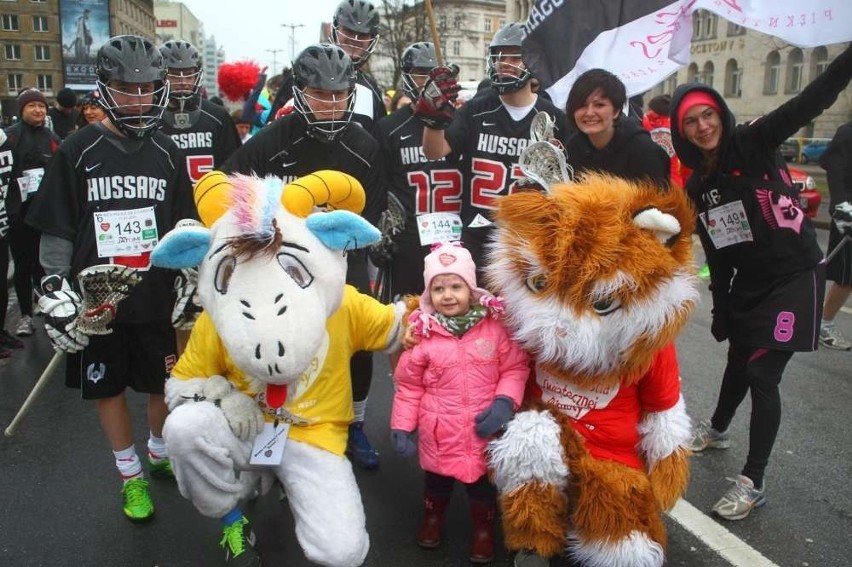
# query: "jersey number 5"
[[197, 166]]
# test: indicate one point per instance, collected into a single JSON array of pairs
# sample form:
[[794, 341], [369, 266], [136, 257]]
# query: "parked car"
[[809, 197], [813, 150]]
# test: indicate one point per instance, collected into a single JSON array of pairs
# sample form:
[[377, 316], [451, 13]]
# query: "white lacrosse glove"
[[243, 415], [61, 306], [842, 216], [186, 309]]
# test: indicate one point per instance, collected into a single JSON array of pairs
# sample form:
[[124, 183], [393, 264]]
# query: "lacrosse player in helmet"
[[110, 193], [489, 132], [319, 135], [355, 29]]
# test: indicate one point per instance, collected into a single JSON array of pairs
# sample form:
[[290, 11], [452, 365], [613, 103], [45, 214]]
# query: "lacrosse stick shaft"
[[430, 13], [838, 248], [34, 393]]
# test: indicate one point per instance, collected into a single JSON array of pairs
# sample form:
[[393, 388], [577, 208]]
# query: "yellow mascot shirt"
[[322, 402]]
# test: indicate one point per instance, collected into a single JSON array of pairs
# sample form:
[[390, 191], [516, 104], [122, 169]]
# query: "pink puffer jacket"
[[443, 382]]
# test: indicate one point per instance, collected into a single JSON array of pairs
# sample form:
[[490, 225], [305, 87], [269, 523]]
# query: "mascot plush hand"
[[598, 281]]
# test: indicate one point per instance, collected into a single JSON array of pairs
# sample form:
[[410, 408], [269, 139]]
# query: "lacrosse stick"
[[541, 129], [838, 248], [545, 164], [391, 223], [102, 288]]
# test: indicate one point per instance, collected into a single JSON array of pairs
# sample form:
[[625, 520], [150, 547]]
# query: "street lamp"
[[292, 37], [274, 53]]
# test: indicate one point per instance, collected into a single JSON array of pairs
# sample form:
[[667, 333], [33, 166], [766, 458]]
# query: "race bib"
[[28, 182], [126, 237], [439, 227], [727, 225], [268, 447]]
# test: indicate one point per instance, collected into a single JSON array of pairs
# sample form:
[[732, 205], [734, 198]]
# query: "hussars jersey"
[[114, 198], [206, 135], [489, 142], [284, 149]]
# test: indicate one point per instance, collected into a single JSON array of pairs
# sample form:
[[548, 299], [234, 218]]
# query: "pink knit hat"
[[694, 98], [449, 258]]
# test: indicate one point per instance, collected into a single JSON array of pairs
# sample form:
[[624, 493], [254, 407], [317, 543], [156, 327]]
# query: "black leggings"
[[439, 485], [758, 370], [24, 241]]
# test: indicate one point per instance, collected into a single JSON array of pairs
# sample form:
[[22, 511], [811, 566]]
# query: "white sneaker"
[[740, 500], [831, 337], [25, 327]]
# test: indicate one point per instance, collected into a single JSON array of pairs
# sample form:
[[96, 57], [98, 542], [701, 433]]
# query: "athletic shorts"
[[136, 355], [839, 269]]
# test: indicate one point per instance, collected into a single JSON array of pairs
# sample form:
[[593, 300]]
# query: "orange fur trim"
[[670, 477], [535, 516]]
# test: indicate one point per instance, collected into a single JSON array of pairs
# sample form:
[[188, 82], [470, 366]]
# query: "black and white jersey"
[[369, 103], [207, 136], [102, 190], [489, 142], [7, 163], [284, 149]]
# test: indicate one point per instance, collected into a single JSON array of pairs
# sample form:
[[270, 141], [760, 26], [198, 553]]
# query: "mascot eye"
[[224, 271], [296, 270], [606, 305], [536, 283]]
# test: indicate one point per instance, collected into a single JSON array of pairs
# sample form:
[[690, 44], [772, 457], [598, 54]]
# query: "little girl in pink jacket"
[[457, 388]]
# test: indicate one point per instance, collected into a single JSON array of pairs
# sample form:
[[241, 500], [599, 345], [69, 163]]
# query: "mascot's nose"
[[272, 351]]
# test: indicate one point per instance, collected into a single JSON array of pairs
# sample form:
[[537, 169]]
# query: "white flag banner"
[[645, 42]]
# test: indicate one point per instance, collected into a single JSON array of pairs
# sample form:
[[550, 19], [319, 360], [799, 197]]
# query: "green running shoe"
[[704, 272], [238, 543], [137, 502], [162, 470]]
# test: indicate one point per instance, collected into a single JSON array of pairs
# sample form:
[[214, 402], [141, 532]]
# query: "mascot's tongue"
[[276, 395]]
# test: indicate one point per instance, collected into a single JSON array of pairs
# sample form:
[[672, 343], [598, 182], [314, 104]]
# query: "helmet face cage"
[[132, 60], [417, 60], [360, 17], [329, 68], [183, 57], [510, 35]]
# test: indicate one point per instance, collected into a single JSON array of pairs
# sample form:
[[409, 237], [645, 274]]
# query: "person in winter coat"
[[605, 139], [457, 387], [658, 123], [767, 271]]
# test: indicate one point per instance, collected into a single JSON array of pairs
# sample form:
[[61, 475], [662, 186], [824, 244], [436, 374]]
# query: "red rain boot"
[[429, 533], [483, 515]]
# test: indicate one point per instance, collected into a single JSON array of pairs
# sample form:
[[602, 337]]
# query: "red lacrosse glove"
[[436, 104]]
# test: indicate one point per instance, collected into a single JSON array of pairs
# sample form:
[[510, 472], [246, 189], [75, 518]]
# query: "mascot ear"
[[342, 230], [183, 247], [664, 226]]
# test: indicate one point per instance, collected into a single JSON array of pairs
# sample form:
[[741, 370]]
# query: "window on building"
[[9, 22], [40, 23], [13, 51], [456, 48], [502, 22], [733, 79], [442, 21], [704, 25], [795, 69], [15, 81], [457, 21], [819, 61], [707, 74], [735, 30], [42, 53], [39, 1], [772, 76], [488, 23], [692, 73], [709, 25], [44, 82], [671, 84]]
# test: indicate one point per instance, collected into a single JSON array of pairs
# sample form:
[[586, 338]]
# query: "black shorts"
[[839, 269], [136, 355]]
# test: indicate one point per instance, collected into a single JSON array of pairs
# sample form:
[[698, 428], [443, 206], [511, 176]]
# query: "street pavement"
[[61, 505]]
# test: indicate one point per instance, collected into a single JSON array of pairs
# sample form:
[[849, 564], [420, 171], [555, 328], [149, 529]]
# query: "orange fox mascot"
[[598, 281]]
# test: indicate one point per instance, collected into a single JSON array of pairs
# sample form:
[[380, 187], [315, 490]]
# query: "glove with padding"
[[243, 415], [382, 252], [842, 217], [186, 309], [61, 306], [403, 443], [435, 106], [494, 418]]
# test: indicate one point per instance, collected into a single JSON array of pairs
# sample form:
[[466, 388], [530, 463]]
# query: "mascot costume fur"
[[598, 280], [263, 387]]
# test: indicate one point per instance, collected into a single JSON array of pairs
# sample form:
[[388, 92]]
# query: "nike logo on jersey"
[[91, 168], [407, 136], [286, 165], [501, 145], [487, 124]]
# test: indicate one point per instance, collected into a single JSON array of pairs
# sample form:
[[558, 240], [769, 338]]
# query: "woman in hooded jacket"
[[767, 271]]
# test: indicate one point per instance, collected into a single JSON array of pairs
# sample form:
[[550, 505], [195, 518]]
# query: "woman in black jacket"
[[767, 270]]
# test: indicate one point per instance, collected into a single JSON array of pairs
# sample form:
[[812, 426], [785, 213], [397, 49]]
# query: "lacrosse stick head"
[[392, 221], [102, 287], [542, 127], [545, 164]]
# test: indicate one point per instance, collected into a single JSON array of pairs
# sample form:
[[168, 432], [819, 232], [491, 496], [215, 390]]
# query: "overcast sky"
[[248, 29]]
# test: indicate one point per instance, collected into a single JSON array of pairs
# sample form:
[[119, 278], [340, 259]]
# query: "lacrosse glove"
[[186, 309], [842, 217], [494, 418], [436, 104], [403, 443], [61, 306]]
